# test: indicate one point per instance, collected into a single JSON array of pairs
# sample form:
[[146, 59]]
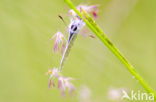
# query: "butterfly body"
[[74, 28]]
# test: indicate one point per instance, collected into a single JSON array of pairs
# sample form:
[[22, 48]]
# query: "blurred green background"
[[26, 51]]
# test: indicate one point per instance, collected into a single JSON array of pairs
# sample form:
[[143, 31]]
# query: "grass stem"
[[102, 36]]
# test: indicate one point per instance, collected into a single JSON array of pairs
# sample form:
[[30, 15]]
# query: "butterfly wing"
[[67, 50]]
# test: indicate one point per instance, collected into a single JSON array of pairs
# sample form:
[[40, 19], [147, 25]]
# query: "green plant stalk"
[[102, 36]]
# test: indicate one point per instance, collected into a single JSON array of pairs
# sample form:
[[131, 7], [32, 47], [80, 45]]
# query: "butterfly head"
[[76, 25]]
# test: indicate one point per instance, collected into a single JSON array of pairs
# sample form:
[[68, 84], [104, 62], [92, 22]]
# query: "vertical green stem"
[[102, 36]]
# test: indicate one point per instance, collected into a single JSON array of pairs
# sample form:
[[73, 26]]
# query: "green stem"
[[102, 36]]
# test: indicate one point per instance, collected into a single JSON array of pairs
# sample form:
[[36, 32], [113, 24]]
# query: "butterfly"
[[74, 28]]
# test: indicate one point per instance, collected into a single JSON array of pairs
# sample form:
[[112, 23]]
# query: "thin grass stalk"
[[102, 36]]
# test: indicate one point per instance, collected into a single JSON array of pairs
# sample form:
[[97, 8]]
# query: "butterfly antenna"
[[62, 19]]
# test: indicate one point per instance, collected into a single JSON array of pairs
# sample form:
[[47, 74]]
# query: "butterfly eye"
[[72, 26], [75, 28]]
